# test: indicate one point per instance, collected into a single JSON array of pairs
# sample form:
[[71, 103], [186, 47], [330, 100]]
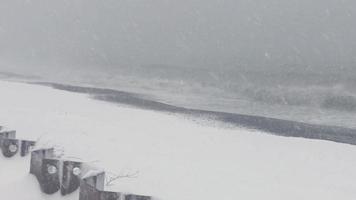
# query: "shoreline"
[[274, 126], [280, 127]]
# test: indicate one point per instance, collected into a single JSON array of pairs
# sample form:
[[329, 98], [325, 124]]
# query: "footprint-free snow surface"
[[168, 156]]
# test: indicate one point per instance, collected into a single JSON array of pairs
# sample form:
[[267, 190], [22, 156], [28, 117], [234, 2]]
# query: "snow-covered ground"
[[174, 158]]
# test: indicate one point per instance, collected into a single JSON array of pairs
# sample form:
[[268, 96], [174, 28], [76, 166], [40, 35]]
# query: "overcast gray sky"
[[200, 33]]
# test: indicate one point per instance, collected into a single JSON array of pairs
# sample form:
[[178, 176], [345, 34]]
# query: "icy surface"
[[174, 158]]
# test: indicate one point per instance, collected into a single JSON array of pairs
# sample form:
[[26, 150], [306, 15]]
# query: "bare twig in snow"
[[112, 177]]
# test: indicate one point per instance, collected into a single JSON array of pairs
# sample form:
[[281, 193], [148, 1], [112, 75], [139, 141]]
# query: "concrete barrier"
[[10, 147], [54, 174], [92, 188], [8, 134]]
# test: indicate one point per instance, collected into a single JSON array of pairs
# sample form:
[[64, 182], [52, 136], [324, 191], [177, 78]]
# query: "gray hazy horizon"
[[318, 34]]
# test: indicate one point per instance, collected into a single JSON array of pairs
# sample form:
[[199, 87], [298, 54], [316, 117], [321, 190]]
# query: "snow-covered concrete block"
[[71, 175], [92, 188], [26, 147], [10, 147], [54, 174], [8, 134], [49, 178], [45, 169]]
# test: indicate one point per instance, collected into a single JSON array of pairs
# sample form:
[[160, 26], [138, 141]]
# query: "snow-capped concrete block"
[[45, 168], [92, 188], [71, 175], [8, 134], [49, 178], [26, 147], [37, 157], [54, 174], [10, 147]]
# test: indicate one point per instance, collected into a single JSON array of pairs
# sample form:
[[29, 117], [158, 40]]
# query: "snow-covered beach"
[[171, 156]]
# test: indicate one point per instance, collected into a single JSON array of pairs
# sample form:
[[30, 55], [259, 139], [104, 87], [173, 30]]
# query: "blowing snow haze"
[[201, 33], [292, 59]]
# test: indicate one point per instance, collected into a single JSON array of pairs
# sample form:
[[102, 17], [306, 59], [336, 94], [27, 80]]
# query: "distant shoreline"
[[274, 126], [271, 125]]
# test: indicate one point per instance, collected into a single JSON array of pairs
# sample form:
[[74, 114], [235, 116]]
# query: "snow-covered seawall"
[[172, 157]]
